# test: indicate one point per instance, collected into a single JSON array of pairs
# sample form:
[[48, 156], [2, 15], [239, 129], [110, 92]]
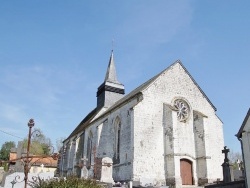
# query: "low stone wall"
[[233, 184], [1, 173], [19, 176]]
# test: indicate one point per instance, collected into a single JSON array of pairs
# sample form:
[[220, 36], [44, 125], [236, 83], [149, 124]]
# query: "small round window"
[[182, 108]]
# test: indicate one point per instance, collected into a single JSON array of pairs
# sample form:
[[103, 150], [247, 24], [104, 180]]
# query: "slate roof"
[[150, 81], [239, 134], [111, 71], [85, 122]]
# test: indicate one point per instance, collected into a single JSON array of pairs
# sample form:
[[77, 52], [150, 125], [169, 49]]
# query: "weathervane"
[[113, 41]]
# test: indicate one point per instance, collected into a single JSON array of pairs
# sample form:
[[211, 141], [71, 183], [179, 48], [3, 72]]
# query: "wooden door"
[[186, 172]]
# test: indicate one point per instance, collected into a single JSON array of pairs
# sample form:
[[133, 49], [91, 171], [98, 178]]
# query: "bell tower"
[[111, 90]]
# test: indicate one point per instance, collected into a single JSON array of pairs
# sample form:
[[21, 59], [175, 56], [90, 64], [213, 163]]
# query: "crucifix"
[[42, 165], [226, 151], [113, 41], [84, 170], [13, 183], [84, 159]]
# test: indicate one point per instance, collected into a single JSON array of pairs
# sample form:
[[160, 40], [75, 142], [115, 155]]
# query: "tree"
[[39, 143], [59, 143], [5, 150], [234, 157]]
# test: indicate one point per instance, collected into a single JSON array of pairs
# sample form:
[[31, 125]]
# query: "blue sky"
[[54, 55]]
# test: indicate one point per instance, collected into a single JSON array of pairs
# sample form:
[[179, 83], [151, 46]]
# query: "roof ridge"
[[144, 85], [131, 94], [197, 85]]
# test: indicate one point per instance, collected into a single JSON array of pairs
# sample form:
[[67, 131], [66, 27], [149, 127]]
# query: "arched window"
[[89, 148], [117, 147]]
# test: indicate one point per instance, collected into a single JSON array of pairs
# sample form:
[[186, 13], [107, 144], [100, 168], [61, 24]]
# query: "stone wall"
[[18, 176], [1, 174], [103, 132], [153, 141], [234, 184]]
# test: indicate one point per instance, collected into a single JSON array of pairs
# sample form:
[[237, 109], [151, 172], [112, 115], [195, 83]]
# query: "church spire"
[[110, 90], [111, 71]]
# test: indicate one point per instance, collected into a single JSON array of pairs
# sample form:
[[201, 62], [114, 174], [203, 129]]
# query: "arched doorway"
[[186, 172]]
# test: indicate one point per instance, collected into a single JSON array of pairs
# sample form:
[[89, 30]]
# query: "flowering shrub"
[[69, 182]]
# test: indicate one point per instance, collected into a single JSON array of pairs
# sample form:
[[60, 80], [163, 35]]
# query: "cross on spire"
[[113, 44]]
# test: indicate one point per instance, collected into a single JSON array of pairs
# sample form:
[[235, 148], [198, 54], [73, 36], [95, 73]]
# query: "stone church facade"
[[165, 132]]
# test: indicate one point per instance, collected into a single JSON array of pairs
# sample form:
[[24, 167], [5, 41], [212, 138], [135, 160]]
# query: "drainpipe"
[[241, 145]]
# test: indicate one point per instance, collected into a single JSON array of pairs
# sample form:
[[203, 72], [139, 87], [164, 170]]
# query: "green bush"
[[70, 182]]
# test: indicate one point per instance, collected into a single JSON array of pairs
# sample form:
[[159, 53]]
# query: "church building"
[[164, 132], [243, 136]]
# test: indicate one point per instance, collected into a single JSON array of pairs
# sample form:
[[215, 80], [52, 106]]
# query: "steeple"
[[111, 90], [111, 72]]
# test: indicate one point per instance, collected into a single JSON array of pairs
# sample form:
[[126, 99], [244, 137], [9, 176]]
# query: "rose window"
[[182, 109]]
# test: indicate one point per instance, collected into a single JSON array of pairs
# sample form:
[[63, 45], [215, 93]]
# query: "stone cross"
[[84, 171], [84, 159], [238, 163], [42, 165], [225, 166], [226, 151], [241, 165]]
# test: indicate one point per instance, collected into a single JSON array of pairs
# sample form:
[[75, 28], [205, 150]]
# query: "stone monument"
[[84, 171], [226, 166], [42, 166], [107, 170]]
